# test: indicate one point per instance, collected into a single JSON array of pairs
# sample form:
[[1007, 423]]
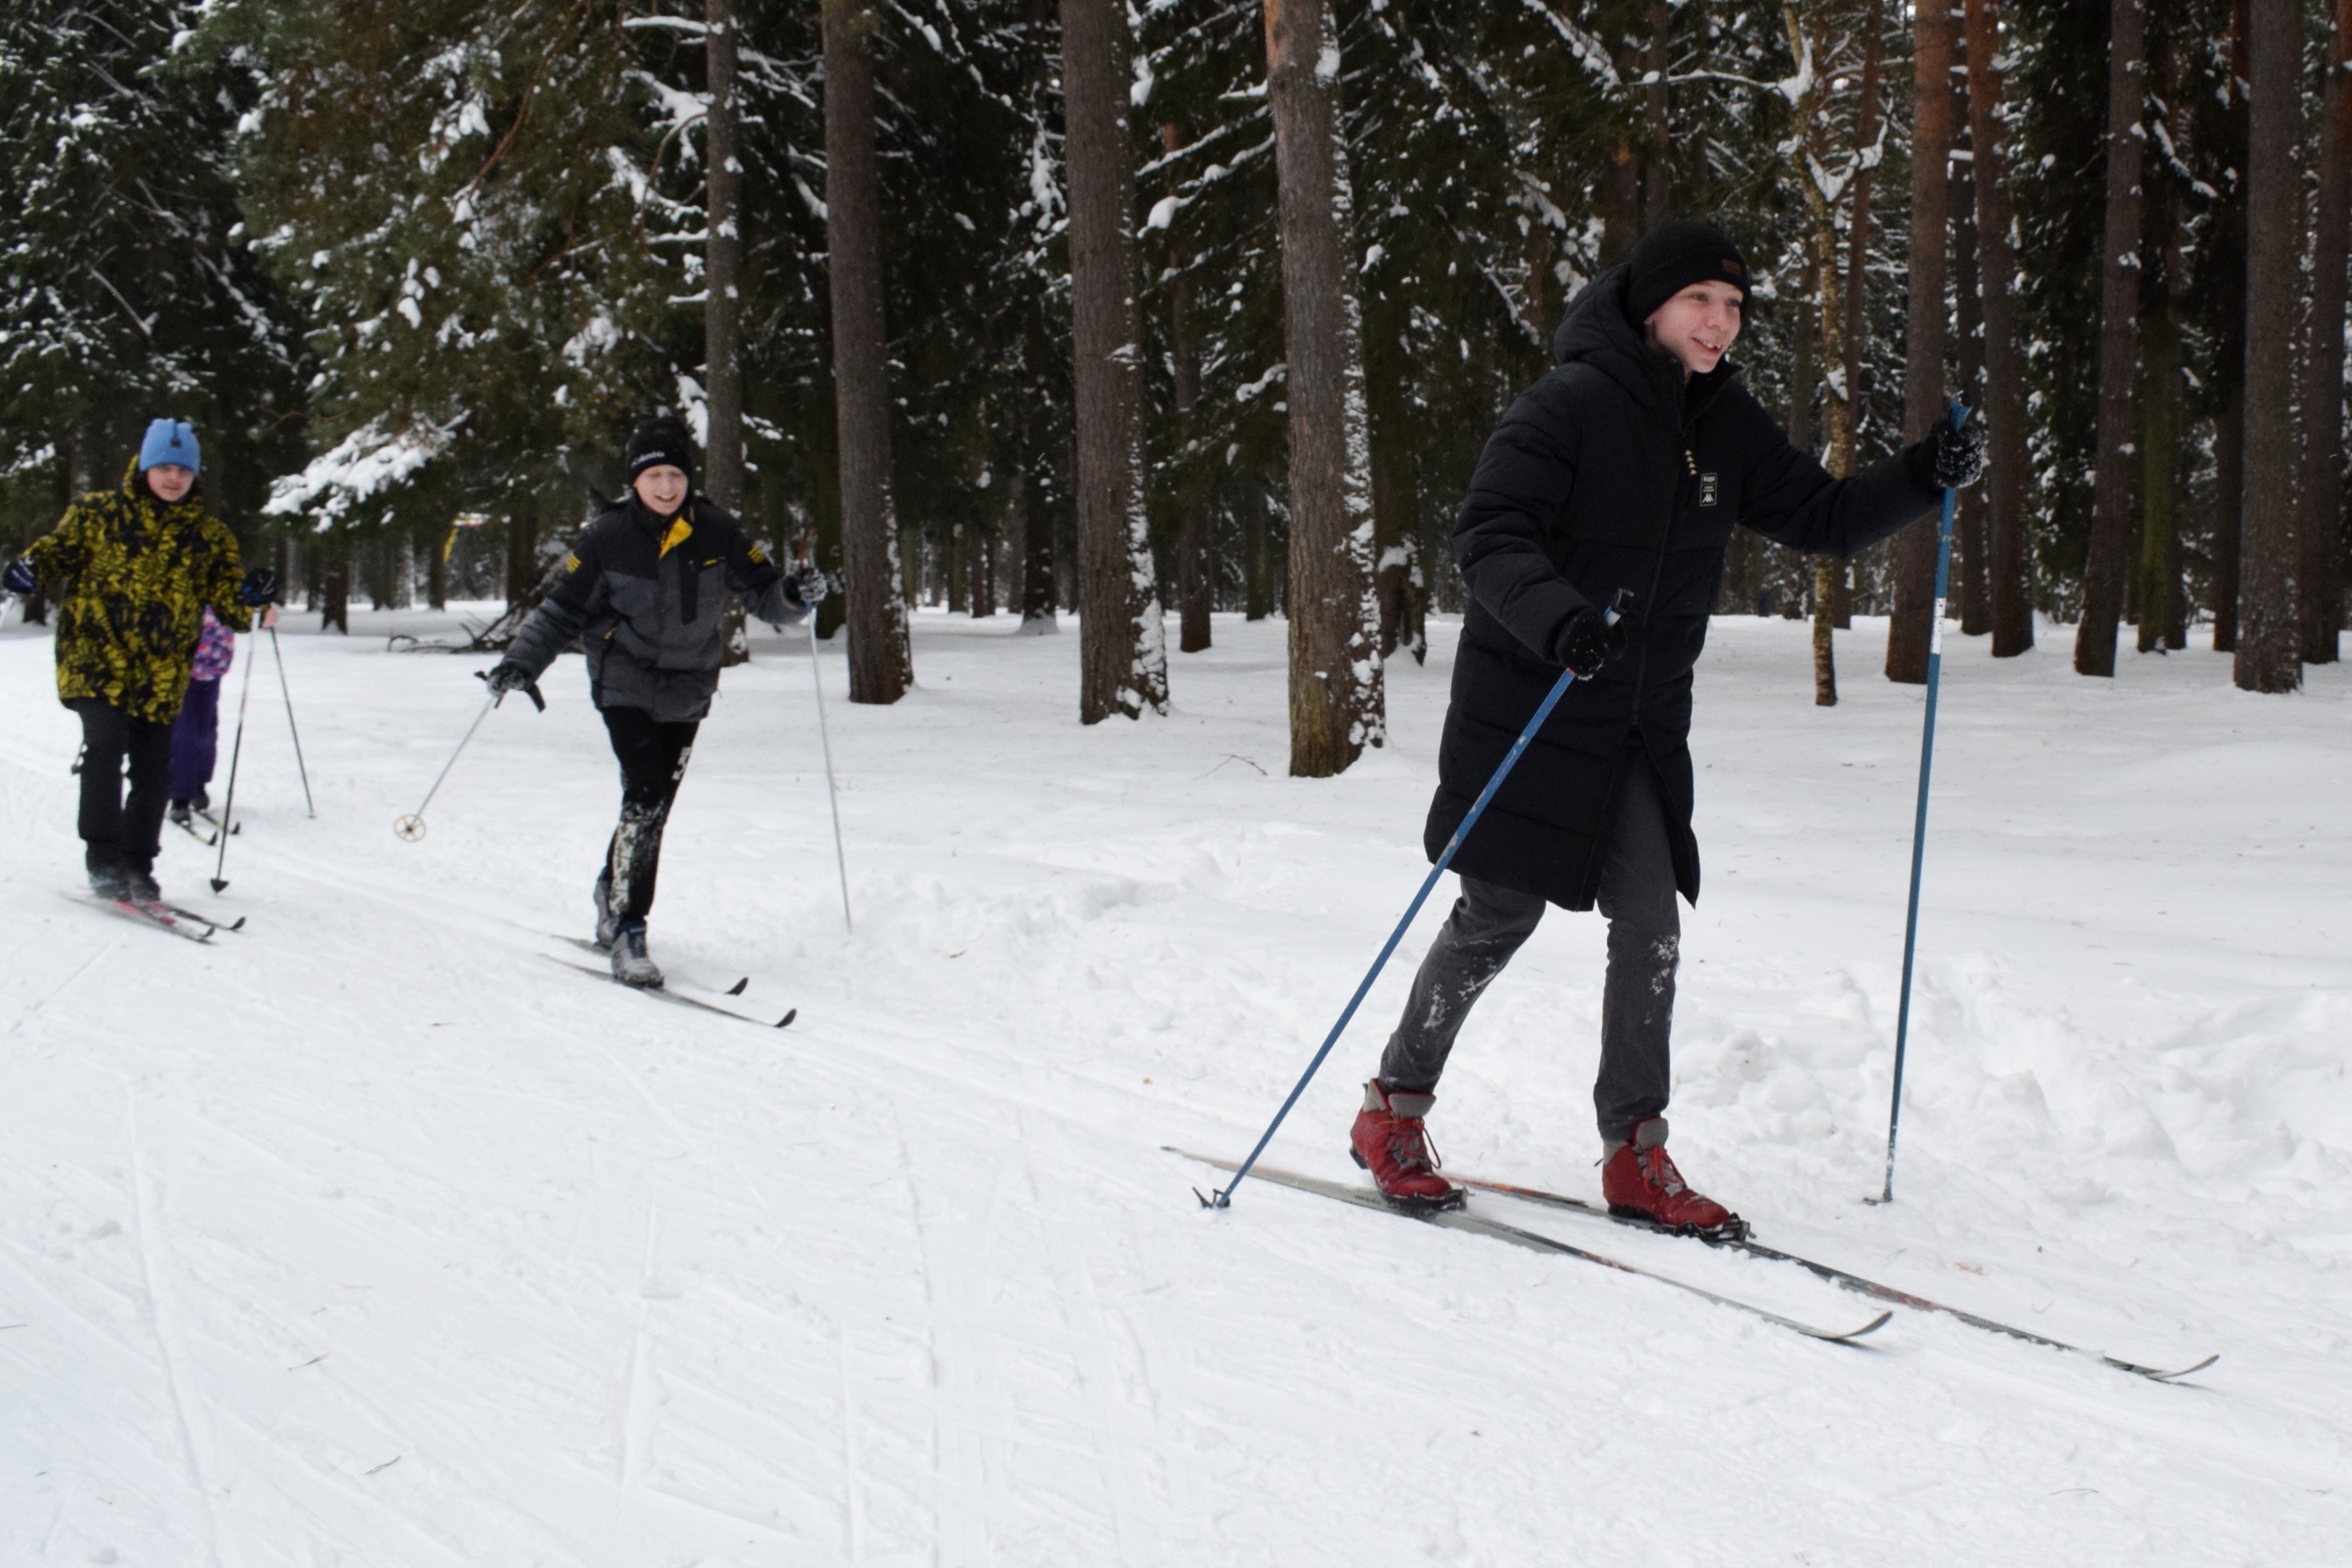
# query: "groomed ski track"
[[370, 1236]]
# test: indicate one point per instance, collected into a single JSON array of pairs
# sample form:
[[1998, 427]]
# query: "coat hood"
[[1596, 331]]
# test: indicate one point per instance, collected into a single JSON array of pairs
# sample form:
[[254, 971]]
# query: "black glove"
[[508, 676], [1950, 459], [1588, 641], [260, 587], [807, 585], [20, 578]]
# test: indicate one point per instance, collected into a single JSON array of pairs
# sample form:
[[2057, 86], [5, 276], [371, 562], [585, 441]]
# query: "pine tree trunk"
[[2011, 564], [2163, 598], [1657, 115], [1257, 553], [722, 302], [2160, 456], [1336, 706], [881, 664], [2319, 517], [1620, 201], [1912, 620], [1972, 580], [436, 569], [1195, 567], [1829, 331], [2119, 304], [1123, 652], [2269, 645], [2226, 249]]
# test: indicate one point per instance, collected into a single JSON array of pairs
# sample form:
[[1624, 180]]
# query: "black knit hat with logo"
[[1673, 256], [661, 439]]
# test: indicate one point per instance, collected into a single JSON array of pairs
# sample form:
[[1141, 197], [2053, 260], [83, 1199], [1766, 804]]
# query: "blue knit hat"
[[170, 440]]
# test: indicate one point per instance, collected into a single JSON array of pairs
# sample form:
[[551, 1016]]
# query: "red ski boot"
[[1389, 1141], [1639, 1179]]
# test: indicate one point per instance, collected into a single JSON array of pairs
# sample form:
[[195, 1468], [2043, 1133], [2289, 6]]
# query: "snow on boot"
[[1389, 1141], [1639, 1179], [107, 879], [630, 964], [183, 813], [139, 880], [608, 919]]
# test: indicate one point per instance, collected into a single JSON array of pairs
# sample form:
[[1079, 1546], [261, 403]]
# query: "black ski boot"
[[107, 877], [139, 879], [184, 814]]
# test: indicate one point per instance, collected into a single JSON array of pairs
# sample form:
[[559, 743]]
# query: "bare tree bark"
[[1857, 263], [1336, 701], [1257, 552], [2227, 250], [1123, 650], [1620, 201], [881, 664], [2270, 649], [1915, 610], [1831, 314], [2011, 564], [1195, 567], [722, 478], [2319, 519], [1657, 112], [2163, 598], [2119, 306]]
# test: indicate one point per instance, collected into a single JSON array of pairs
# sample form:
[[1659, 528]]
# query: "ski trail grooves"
[[187, 1404]]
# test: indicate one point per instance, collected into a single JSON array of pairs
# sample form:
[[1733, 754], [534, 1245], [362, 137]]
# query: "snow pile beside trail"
[[372, 1235]]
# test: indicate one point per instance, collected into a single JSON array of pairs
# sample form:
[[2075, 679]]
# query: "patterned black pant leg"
[[652, 755]]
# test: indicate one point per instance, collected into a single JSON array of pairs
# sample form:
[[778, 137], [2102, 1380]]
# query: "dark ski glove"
[[260, 587], [20, 577], [1950, 459], [1588, 641], [508, 676], [807, 585]]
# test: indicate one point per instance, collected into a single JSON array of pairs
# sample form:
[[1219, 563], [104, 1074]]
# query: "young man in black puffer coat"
[[1621, 472], [641, 592]]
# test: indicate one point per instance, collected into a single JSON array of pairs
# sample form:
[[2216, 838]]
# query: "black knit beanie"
[[1674, 255], [659, 439]]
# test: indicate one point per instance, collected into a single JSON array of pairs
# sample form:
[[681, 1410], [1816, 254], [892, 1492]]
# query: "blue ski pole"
[[1222, 1197], [1958, 416]]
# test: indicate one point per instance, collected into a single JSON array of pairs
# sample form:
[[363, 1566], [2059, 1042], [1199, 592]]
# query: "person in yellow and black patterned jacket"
[[132, 571]]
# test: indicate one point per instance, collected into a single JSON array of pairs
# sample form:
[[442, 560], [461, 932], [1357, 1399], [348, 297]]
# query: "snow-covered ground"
[[371, 1236]]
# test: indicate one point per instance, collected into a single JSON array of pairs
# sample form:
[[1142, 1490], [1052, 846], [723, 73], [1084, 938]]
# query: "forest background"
[[1028, 306]]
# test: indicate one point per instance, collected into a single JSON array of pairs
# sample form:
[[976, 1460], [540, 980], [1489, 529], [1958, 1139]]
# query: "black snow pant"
[[121, 833], [1488, 925], [653, 756]]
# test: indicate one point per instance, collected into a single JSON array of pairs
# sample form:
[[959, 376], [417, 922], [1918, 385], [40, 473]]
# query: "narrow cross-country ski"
[[1834, 1275], [1480, 1225], [683, 998], [201, 919], [585, 946], [189, 827], [179, 922]]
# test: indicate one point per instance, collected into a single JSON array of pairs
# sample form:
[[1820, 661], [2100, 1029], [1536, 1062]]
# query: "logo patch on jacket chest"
[[1707, 489]]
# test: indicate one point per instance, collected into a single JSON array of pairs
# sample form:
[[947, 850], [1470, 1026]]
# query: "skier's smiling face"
[[662, 488], [169, 481], [1697, 326]]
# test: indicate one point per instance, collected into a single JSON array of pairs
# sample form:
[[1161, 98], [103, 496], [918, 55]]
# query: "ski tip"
[[1872, 1326], [236, 924], [784, 1022], [2154, 1376], [737, 988]]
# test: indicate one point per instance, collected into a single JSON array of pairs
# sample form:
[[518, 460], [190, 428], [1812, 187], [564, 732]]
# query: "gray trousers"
[[1488, 925]]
